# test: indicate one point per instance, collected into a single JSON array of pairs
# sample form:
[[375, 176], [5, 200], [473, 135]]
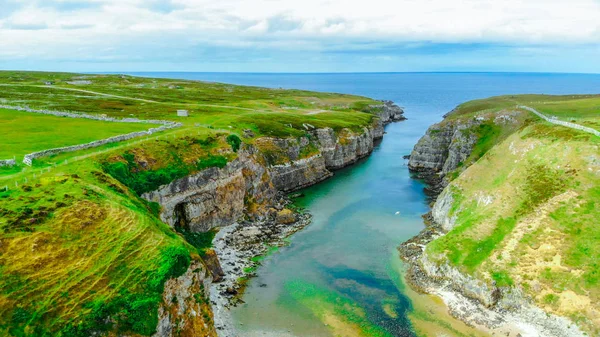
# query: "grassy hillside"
[[527, 209], [77, 243]]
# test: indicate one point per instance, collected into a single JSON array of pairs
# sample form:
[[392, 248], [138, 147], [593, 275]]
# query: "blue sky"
[[301, 36]]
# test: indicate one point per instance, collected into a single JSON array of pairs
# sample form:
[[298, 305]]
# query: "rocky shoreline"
[[237, 247]]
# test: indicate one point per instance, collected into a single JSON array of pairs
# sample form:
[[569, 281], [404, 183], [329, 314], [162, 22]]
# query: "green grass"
[[502, 279], [92, 252], [24, 132], [564, 107]]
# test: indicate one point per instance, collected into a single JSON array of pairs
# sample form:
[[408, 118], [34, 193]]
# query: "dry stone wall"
[[28, 159], [7, 162]]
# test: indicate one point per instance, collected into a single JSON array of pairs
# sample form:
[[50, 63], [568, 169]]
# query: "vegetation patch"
[[202, 241], [342, 315], [541, 184], [234, 141]]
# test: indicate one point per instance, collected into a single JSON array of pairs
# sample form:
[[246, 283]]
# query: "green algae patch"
[[340, 314]]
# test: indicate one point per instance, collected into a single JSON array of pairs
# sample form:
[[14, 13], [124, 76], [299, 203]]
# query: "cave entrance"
[[181, 222]]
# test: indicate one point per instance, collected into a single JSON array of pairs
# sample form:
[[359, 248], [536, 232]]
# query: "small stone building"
[[182, 113]]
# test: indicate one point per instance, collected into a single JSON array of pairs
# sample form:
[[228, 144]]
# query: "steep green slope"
[[522, 211]]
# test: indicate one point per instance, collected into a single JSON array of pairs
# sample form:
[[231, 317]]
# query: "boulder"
[[285, 216]]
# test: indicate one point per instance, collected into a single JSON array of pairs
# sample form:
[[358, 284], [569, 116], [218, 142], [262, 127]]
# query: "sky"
[[300, 35]]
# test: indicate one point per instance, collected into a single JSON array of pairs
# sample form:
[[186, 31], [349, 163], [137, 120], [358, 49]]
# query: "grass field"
[[526, 209], [24, 132], [77, 243]]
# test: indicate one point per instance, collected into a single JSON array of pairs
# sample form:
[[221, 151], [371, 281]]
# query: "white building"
[[182, 113]]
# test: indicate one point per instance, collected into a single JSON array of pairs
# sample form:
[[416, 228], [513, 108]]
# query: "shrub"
[[211, 161], [200, 241], [502, 279], [234, 141]]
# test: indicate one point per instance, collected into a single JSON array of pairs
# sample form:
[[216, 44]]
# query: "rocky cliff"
[[215, 197], [185, 309], [441, 150], [218, 197], [247, 192]]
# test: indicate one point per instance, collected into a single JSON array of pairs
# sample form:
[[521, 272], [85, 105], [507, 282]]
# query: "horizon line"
[[344, 72]]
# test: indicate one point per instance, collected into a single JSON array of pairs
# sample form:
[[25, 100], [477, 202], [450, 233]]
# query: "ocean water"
[[342, 273]]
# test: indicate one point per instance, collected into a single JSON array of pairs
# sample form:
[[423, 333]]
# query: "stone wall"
[[7, 162], [86, 116], [28, 159], [559, 122]]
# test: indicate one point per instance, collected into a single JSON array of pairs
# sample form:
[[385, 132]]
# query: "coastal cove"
[[347, 257]]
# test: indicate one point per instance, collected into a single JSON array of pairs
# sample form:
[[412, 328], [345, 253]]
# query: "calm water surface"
[[346, 260]]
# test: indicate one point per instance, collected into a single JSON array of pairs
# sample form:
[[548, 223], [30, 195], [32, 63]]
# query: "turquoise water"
[[346, 260], [349, 250]]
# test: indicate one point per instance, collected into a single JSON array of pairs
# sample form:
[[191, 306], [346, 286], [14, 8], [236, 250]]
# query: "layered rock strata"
[[441, 150]]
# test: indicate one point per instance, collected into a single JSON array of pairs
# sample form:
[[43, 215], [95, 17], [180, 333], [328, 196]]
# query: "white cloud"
[[52, 29]]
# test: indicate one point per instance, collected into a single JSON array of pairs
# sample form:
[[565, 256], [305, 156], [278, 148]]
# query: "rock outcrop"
[[185, 309], [346, 147], [215, 197], [441, 150], [390, 112], [218, 197]]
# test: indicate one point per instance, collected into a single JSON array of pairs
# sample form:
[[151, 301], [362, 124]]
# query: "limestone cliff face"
[[216, 196], [441, 150], [441, 210], [390, 112], [472, 298], [347, 147], [185, 309], [299, 173]]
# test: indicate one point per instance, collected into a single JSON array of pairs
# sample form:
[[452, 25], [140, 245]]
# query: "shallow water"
[[342, 273], [348, 251]]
